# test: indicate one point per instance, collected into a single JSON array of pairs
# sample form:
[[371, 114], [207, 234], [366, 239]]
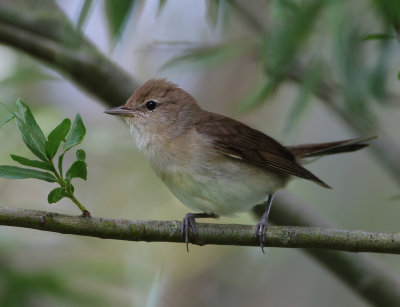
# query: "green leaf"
[[209, 55], [84, 13], [117, 13], [32, 135], [394, 198], [76, 134], [390, 12], [33, 163], [27, 75], [279, 49], [56, 195], [15, 172], [398, 75], [5, 120], [77, 170], [56, 137], [60, 164], [378, 36], [312, 76], [259, 94], [81, 155], [161, 5], [213, 12]]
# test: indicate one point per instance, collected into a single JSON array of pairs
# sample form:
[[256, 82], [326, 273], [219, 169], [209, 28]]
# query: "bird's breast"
[[203, 178]]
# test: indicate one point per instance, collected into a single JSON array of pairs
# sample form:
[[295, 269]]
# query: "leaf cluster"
[[60, 140]]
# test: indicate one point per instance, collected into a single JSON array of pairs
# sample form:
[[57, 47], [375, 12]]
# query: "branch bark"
[[220, 234]]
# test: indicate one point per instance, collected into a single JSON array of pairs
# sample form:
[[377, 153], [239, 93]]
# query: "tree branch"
[[220, 234], [365, 275], [50, 37]]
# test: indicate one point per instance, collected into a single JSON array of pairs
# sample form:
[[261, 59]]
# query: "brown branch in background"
[[220, 234], [365, 275], [51, 38]]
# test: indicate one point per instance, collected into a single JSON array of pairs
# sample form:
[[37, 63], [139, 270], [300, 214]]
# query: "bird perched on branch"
[[211, 163]]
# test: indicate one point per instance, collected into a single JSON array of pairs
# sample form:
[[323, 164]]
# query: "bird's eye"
[[151, 105]]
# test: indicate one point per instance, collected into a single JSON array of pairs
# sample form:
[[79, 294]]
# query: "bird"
[[215, 165]]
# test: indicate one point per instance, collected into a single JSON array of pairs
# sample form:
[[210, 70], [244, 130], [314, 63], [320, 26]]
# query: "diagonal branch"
[[220, 234], [49, 37]]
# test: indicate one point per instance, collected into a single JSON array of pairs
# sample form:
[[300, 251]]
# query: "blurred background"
[[300, 71]]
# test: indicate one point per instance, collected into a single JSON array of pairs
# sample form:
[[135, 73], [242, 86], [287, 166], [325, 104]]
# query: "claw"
[[188, 223], [262, 226], [260, 232]]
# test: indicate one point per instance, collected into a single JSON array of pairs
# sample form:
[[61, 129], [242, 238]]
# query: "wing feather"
[[242, 142]]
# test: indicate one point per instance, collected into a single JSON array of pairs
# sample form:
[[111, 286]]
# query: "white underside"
[[216, 183], [223, 190]]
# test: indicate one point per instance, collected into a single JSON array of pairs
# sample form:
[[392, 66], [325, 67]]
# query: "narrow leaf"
[[56, 195], [60, 164], [76, 134], [281, 47], [302, 100], [161, 5], [213, 12], [81, 155], [84, 13], [27, 75], [32, 135], [378, 36], [15, 172], [394, 198], [208, 55], [9, 117], [32, 163], [77, 170], [117, 13], [259, 94], [56, 137]]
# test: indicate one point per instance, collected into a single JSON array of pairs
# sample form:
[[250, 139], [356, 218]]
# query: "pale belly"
[[224, 188]]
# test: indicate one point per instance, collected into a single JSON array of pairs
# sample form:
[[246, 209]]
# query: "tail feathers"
[[331, 148]]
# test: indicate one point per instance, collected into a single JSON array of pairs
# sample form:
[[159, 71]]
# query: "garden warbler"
[[211, 163]]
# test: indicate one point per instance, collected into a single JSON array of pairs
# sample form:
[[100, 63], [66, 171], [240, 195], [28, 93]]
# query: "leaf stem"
[[71, 196], [85, 212]]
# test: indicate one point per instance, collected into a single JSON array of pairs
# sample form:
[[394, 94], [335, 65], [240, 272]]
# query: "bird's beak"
[[121, 111]]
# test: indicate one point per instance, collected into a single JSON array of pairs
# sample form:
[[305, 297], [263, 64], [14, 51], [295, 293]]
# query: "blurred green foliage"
[[290, 38], [117, 13]]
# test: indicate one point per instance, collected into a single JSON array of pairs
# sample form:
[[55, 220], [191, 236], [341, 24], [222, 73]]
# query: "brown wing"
[[240, 141]]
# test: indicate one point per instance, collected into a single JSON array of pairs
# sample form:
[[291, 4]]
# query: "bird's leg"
[[189, 222], [262, 226]]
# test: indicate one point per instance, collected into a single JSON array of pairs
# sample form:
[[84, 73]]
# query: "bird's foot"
[[188, 223], [260, 231]]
